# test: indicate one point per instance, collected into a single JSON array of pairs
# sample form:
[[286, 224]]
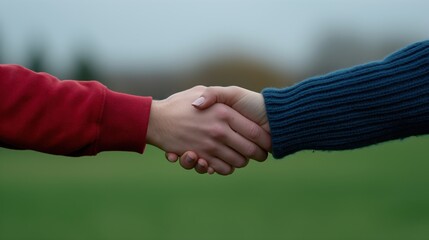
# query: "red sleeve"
[[42, 113]]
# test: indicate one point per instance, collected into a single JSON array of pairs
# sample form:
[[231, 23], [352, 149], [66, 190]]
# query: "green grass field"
[[379, 192]]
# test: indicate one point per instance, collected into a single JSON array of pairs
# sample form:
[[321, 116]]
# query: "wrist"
[[152, 125]]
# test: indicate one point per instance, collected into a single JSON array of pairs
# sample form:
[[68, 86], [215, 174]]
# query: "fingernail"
[[170, 158], [189, 159], [199, 101]]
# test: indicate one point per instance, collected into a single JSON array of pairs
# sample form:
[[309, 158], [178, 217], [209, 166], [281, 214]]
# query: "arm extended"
[[42, 113]]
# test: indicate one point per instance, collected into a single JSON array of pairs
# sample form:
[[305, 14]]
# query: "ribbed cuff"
[[353, 107], [124, 122]]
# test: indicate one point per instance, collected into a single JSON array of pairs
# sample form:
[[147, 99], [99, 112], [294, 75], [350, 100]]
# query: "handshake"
[[218, 129], [212, 129]]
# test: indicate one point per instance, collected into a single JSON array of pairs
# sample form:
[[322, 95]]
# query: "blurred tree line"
[[84, 65], [336, 49]]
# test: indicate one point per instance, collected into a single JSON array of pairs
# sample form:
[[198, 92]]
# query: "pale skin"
[[248, 103], [220, 136]]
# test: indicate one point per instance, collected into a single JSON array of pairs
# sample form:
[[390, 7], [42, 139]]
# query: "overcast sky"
[[165, 32]]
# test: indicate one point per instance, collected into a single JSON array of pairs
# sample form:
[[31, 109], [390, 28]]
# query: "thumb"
[[212, 95]]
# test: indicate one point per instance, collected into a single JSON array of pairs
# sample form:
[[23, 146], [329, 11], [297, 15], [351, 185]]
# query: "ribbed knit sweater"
[[353, 107]]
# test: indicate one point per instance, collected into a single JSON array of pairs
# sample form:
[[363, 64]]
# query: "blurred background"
[[159, 47]]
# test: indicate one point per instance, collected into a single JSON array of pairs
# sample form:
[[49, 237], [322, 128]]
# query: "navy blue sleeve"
[[354, 107]]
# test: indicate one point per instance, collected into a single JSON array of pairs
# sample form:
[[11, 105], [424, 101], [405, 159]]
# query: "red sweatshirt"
[[42, 113]]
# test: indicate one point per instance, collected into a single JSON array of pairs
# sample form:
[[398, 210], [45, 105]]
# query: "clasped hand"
[[212, 129]]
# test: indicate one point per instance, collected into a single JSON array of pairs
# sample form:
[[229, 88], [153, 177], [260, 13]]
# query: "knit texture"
[[353, 107]]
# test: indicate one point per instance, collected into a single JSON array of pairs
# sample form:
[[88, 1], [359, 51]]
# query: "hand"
[[248, 103], [219, 135]]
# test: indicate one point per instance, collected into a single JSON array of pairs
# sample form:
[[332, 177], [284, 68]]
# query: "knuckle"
[[208, 90], [264, 157], [221, 111], [199, 87], [255, 131], [251, 150], [218, 131], [241, 163], [234, 88], [261, 157]]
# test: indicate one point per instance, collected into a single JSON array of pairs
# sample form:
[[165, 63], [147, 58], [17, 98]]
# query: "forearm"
[[354, 107], [40, 112]]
